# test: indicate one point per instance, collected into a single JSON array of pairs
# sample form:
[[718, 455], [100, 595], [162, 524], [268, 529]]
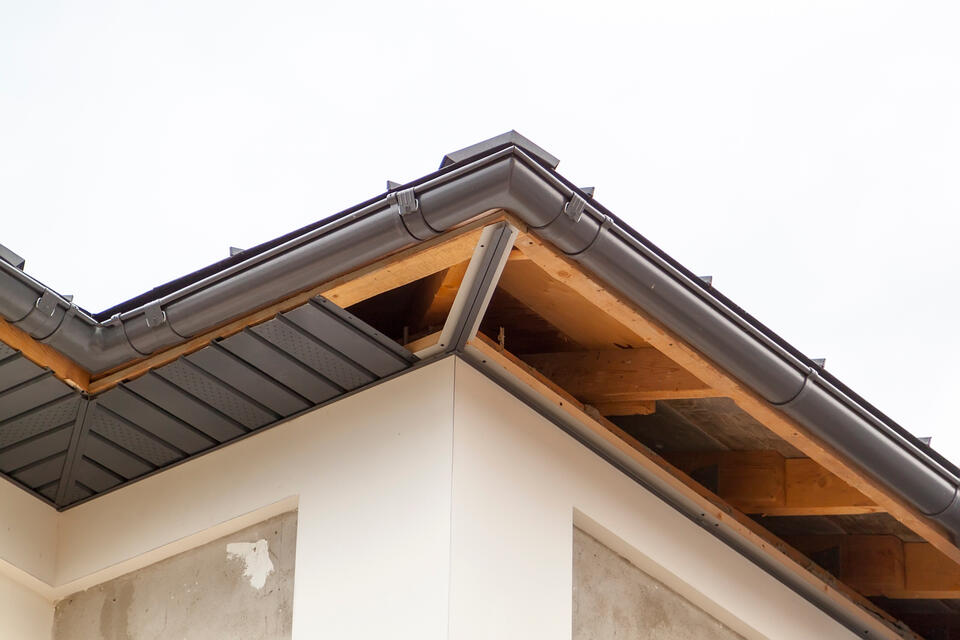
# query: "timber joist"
[[884, 565], [766, 483]]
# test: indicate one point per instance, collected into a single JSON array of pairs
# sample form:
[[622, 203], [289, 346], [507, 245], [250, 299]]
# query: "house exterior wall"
[[520, 485], [238, 587], [434, 505], [23, 612], [614, 599]]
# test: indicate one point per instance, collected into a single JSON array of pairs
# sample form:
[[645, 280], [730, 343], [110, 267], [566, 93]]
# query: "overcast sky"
[[807, 155]]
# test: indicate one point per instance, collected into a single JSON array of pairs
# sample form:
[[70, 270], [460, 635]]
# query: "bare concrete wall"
[[238, 587], [614, 599]]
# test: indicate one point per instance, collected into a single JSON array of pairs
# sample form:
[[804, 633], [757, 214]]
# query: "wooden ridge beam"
[[403, 267], [778, 550], [764, 482], [44, 355], [658, 336], [884, 565], [613, 378]]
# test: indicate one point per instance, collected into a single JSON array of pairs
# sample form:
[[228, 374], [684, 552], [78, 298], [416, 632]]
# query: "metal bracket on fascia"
[[407, 202], [574, 208], [154, 315], [47, 303], [479, 281], [408, 207]]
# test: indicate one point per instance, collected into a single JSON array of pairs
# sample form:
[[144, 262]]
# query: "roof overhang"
[[286, 296]]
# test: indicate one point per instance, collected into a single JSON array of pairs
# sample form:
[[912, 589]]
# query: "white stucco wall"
[[434, 505], [23, 612], [520, 484]]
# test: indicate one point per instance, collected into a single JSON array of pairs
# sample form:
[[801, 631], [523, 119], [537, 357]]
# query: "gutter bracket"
[[154, 315], [574, 207], [47, 303], [410, 215], [407, 202]]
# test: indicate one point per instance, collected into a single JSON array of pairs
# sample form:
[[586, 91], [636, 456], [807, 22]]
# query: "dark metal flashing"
[[12, 258], [510, 138], [513, 174]]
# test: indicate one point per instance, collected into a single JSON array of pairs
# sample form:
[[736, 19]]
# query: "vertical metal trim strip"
[[80, 426]]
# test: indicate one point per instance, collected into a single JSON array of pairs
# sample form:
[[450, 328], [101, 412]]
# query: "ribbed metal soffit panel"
[[66, 446]]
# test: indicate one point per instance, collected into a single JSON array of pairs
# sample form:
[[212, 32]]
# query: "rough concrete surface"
[[614, 599], [238, 587]]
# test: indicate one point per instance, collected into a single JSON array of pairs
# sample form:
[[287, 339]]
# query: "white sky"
[[805, 154]]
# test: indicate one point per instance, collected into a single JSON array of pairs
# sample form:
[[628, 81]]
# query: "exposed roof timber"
[[798, 435], [625, 407], [688, 496], [420, 344], [388, 273], [764, 482], [564, 308], [45, 356], [618, 376], [884, 565]]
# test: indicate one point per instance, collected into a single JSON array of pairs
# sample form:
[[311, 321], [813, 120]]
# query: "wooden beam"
[[813, 490], [564, 308], [625, 407], [437, 308], [764, 482], [610, 380], [780, 552], [401, 268], [884, 565], [651, 331], [424, 342], [44, 355]]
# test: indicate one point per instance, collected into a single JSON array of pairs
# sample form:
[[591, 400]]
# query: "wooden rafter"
[[564, 308], [764, 482], [612, 379], [671, 345], [779, 551], [884, 565], [434, 312]]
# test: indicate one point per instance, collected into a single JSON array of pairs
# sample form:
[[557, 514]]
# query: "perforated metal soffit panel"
[[67, 447]]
